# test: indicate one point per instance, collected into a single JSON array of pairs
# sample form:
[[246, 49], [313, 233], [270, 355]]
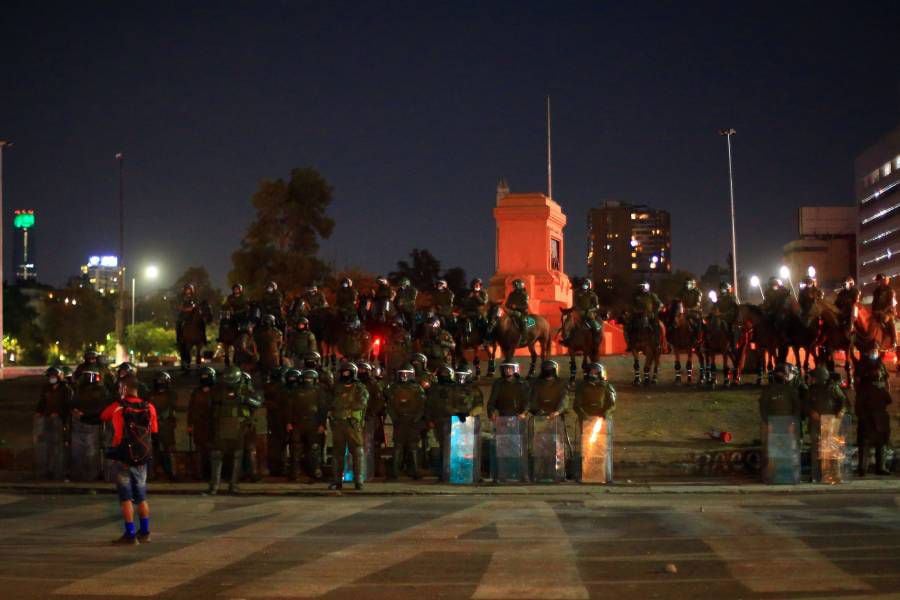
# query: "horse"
[[718, 339], [804, 332], [469, 334], [646, 340], [228, 335], [193, 333], [869, 334], [509, 337], [579, 339], [685, 337], [757, 332], [378, 318], [837, 335]]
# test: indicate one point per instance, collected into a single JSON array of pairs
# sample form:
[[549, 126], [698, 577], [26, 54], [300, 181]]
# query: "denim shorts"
[[131, 482]]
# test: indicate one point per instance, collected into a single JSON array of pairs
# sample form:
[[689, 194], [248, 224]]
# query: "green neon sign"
[[23, 221]]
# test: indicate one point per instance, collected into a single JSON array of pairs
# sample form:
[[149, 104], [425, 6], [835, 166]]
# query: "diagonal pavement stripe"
[[178, 567], [767, 558], [52, 518], [542, 566]]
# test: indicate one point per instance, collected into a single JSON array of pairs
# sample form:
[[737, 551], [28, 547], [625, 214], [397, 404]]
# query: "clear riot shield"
[[85, 463], [509, 455], [828, 449], [548, 449], [348, 466], [781, 451], [462, 451], [596, 450]]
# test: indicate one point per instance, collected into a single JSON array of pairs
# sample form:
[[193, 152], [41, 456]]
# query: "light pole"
[[121, 355], [754, 282], [3, 144], [734, 270], [785, 273]]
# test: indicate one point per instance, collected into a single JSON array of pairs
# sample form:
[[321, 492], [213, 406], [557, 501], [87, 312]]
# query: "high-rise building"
[[102, 274], [628, 241], [878, 201], [23, 245]]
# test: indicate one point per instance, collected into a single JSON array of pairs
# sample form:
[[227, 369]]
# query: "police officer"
[[187, 306], [691, 299], [439, 408], [424, 376], [517, 305], [586, 305], [776, 303], [510, 394], [348, 413], [473, 305], [782, 398], [382, 292], [846, 301], [276, 423], [199, 425], [165, 399], [236, 305], [375, 408], [405, 401], [89, 400], [246, 353], [406, 301], [548, 393], [272, 303], [51, 414], [467, 391], [90, 362], [808, 297], [442, 303], [314, 299], [302, 341], [346, 299], [313, 361], [873, 422], [725, 306], [253, 400], [438, 345], [231, 409], [645, 306], [305, 407], [398, 347], [884, 302], [595, 396], [269, 343]]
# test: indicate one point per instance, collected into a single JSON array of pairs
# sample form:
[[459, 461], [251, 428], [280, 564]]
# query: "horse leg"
[[690, 367], [637, 369], [476, 362], [655, 379], [534, 357], [677, 368]]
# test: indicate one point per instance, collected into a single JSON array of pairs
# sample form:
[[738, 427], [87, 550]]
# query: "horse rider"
[[236, 304], [585, 304], [884, 302], [809, 295], [382, 296], [473, 305], [438, 344], [406, 301], [188, 304], [346, 299], [517, 305], [846, 301], [442, 303], [775, 306], [725, 307], [314, 298], [272, 303], [691, 299], [645, 306]]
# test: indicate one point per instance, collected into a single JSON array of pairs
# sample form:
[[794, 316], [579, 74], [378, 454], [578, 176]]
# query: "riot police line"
[[310, 425]]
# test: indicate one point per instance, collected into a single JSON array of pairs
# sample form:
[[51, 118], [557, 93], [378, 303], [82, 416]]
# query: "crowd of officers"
[[304, 408]]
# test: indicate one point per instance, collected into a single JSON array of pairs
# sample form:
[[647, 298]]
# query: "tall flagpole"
[[549, 155]]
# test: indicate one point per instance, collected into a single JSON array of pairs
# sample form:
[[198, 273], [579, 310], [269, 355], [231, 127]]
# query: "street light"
[[754, 282], [120, 311], [785, 273], [151, 272], [811, 271], [737, 293], [3, 144]]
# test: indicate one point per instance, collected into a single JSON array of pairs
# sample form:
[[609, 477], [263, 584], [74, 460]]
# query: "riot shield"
[[462, 451], [348, 467], [828, 449], [548, 449], [509, 456], [85, 463], [596, 450], [781, 451]]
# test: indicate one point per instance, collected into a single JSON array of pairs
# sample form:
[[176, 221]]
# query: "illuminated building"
[[878, 202], [628, 241], [102, 273], [23, 245]]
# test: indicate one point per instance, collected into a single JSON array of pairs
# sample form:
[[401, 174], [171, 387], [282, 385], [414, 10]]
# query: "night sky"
[[413, 111]]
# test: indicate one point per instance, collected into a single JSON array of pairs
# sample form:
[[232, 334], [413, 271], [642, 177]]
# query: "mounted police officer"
[[348, 414], [776, 304], [691, 300], [884, 303], [846, 301], [346, 299], [473, 304], [269, 343], [405, 400], [187, 305], [645, 307], [314, 299], [301, 342], [406, 301], [809, 296], [305, 409], [236, 305], [517, 305], [438, 344], [442, 303], [586, 304], [272, 303]]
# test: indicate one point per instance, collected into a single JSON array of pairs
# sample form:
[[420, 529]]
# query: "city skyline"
[[415, 146]]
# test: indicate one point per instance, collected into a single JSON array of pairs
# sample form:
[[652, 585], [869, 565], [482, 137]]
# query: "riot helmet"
[[292, 378], [237, 289], [302, 324], [445, 374], [509, 370], [207, 377], [363, 370], [312, 360], [419, 359], [596, 371], [54, 375], [518, 284], [549, 368], [347, 372]]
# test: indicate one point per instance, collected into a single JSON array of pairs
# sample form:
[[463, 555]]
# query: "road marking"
[[766, 558], [178, 567], [53, 518], [542, 566]]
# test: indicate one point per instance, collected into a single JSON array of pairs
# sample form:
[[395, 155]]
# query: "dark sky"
[[413, 110]]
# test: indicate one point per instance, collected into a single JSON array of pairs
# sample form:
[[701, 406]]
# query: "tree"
[[667, 287], [148, 338], [714, 275], [77, 318], [456, 280], [423, 270], [282, 243]]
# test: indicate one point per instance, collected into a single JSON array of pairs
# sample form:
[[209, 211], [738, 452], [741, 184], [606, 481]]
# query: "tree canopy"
[[282, 243]]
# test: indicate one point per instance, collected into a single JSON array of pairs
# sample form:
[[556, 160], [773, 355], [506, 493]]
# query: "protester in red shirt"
[[134, 423]]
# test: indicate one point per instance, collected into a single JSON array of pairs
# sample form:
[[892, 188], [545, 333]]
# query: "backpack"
[[136, 447]]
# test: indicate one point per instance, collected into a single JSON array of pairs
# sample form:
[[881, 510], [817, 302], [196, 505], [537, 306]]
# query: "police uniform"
[[406, 407], [348, 410], [305, 407]]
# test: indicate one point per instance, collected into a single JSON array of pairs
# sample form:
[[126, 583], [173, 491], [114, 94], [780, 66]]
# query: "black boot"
[[337, 482], [357, 468], [215, 475], [233, 487]]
